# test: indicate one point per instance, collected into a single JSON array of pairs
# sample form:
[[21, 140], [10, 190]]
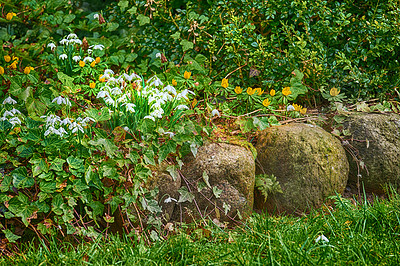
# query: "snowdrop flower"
[[169, 199], [103, 94], [97, 47], [88, 58], [52, 46], [155, 81], [77, 41], [158, 55], [116, 91], [66, 121], [96, 16], [86, 120], [15, 111], [90, 51], [63, 56], [130, 107], [75, 127], [171, 89], [14, 121], [49, 131], [290, 108], [182, 107], [157, 113], [149, 117], [122, 99], [110, 101], [60, 100], [127, 129], [51, 119], [215, 112], [7, 113], [72, 36], [170, 134], [64, 41], [76, 58], [9, 100], [108, 72], [322, 238]]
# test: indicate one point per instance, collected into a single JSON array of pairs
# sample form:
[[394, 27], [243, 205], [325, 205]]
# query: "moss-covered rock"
[[230, 169], [308, 162], [375, 140]]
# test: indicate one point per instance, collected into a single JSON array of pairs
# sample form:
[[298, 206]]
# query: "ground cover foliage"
[[95, 94]]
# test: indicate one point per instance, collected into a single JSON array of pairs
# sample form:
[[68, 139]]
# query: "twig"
[[234, 70]]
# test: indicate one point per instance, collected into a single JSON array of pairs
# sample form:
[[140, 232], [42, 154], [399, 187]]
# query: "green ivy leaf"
[[57, 203], [108, 145], [98, 115], [21, 178], [167, 148], [206, 178], [217, 192], [123, 4], [112, 26], [171, 169], [186, 45], [185, 195], [10, 235], [57, 164], [76, 164], [66, 80], [176, 35], [143, 20], [149, 157]]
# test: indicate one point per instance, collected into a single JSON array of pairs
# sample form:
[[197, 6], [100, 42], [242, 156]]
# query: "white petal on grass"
[[72, 36], [290, 108], [97, 47], [169, 199], [52, 46], [88, 58], [15, 111], [182, 107], [170, 89], [158, 55], [7, 113], [130, 107], [63, 56], [76, 58], [14, 121], [66, 121], [322, 238], [64, 41], [215, 112], [103, 94], [9, 100]]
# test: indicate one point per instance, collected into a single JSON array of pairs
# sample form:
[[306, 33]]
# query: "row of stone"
[[309, 163]]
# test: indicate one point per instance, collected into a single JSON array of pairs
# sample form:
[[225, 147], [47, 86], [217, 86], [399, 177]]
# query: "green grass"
[[358, 235]]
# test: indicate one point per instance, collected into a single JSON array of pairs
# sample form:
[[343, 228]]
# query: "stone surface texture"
[[375, 139], [308, 162]]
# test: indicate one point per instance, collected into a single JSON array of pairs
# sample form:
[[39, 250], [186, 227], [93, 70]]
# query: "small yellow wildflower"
[[7, 58], [250, 91], [13, 65], [238, 90], [266, 102], [187, 75], [194, 103], [15, 58], [174, 83], [272, 92], [297, 107], [81, 63], [97, 60], [92, 85], [224, 83], [102, 79], [303, 111], [10, 15], [259, 91], [1, 70], [334, 92], [93, 63], [28, 70], [286, 91]]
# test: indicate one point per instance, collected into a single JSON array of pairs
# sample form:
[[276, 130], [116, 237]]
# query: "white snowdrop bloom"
[[76, 58], [90, 51], [157, 113], [156, 105], [130, 107], [169, 199], [154, 81], [182, 107], [66, 121], [64, 41], [108, 72], [49, 131], [215, 112], [60, 132], [116, 91], [87, 119], [15, 111], [96, 16], [119, 80], [72, 36], [103, 94], [149, 117], [75, 127], [61, 100], [122, 99], [170, 134], [9, 100], [171, 89], [14, 120], [7, 113], [182, 94], [97, 47], [110, 101], [131, 76], [290, 108], [88, 58], [52, 46], [127, 129], [77, 41], [63, 56], [158, 55], [322, 238]]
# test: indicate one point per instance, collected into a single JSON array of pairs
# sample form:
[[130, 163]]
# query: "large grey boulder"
[[229, 170], [375, 142], [308, 162]]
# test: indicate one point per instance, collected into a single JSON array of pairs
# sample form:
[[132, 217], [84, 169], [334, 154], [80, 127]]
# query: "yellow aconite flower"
[[194, 103], [13, 65], [102, 79], [259, 91], [272, 92], [266, 102], [81, 63], [187, 75], [334, 92], [1, 70], [174, 83], [93, 63], [238, 90], [7, 58], [15, 58], [92, 85], [97, 60], [225, 83], [250, 91], [303, 111], [10, 15], [28, 70], [297, 107], [286, 91]]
